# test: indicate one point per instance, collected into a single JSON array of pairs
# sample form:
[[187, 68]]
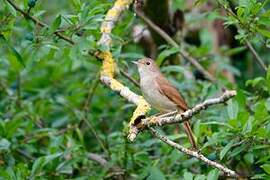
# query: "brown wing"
[[171, 92]]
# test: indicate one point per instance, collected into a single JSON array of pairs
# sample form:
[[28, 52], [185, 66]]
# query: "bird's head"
[[146, 66]]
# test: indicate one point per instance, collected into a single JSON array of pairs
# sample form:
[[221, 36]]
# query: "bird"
[[160, 93]]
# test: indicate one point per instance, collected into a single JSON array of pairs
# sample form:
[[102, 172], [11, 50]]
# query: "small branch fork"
[[198, 155], [173, 118], [38, 22], [258, 59], [170, 41]]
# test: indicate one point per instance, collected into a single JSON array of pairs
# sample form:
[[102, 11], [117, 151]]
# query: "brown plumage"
[[170, 91], [160, 93]]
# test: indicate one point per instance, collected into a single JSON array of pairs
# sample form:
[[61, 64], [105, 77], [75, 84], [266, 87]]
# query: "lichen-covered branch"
[[107, 71], [173, 117], [108, 67], [198, 155], [107, 78]]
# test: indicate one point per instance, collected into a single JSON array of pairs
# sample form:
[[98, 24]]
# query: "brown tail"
[[190, 134]]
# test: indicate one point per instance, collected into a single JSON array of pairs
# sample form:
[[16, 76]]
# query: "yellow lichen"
[[108, 64], [105, 29], [121, 3], [116, 85], [142, 108], [112, 14]]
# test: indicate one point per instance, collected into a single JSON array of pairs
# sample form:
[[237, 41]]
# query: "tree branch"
[[256, 55], [116, 171], [182, 52], [185, 116], [173, 117], [39, 23], [107, 77], [195, 154], [99, 159], [108, 66], [58, 33], [248, 44], [126, 75]]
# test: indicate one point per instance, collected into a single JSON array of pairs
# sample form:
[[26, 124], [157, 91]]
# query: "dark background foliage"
[[54, 111]]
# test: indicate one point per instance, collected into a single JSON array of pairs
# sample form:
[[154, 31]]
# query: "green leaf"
[[264, 32], [232, 109], [173, 68], [213, 174], [238, 150], [155, 174], [240, 11], [4, 144], [248, 126], [267, 104], [41, 162], [260, 112], [11, 9], [166, 53], [225, 150], [268, 78], [266, 13], [266, 168], [188, 176], [133, 56], [4, 42], [55, 25], [249, 158], [200, 177], [234, 51], [11, 173]]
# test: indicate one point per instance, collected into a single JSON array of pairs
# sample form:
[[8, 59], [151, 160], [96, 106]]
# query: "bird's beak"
[[135, 62]]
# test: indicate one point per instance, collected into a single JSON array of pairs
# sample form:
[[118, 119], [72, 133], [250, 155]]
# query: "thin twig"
[[84, 118], [91, 93], [126, 75], [38, 136], [101, 143], [57, 32], [25, 154], [99, 159], [18, 90], [182, 52], [116, 171], [195, 154], [39, 23], [256, 55], [248, 44]]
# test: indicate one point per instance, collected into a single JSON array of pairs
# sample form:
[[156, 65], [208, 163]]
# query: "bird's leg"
[[155, 118]]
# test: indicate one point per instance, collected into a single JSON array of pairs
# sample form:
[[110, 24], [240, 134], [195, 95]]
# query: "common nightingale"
[[160, 94]]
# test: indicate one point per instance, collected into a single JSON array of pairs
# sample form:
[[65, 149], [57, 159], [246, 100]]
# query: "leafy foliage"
[[54, 111]]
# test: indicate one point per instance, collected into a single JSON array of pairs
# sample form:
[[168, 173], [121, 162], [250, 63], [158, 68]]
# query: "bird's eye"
[[147, 63]]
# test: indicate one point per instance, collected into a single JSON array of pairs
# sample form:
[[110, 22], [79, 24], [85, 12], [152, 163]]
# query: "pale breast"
[[153, 96]]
